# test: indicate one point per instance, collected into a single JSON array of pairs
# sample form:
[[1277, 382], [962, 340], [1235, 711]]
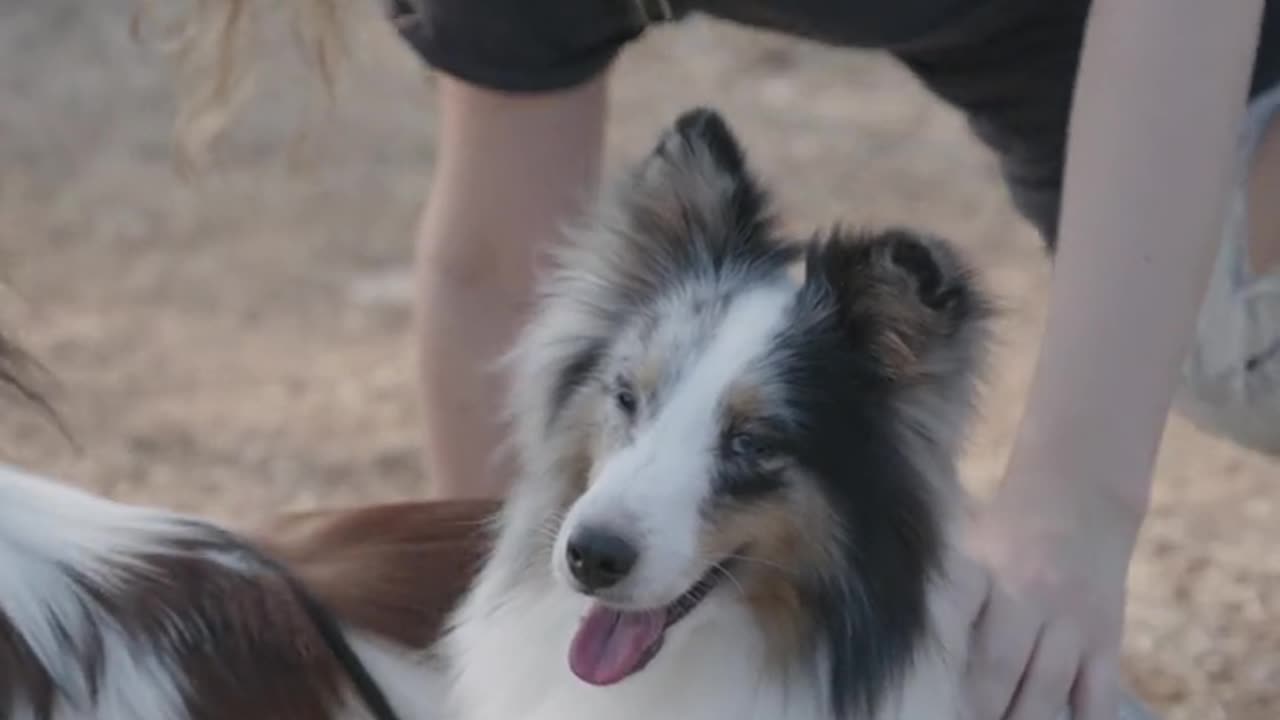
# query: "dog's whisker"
[[761, 561], [728, 575]]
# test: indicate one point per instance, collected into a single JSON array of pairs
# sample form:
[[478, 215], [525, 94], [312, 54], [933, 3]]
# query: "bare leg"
[[511, 169], [1264, 202]]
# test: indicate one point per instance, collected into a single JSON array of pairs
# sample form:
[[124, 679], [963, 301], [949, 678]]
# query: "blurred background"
[[240, 343]]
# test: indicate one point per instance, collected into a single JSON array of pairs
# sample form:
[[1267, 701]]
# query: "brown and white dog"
[[737, 488], [120, 612]]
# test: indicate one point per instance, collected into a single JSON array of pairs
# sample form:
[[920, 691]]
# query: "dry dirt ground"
[[242, 345]]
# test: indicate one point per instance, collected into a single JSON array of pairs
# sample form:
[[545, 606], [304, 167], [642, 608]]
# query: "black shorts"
[[1009, 65]]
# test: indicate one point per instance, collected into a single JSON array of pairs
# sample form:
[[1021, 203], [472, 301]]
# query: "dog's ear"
[[695, 192], [906, 297], [689, 206], [702, 131]]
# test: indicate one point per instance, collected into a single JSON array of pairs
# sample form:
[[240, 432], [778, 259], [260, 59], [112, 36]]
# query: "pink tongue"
[[611, 644]]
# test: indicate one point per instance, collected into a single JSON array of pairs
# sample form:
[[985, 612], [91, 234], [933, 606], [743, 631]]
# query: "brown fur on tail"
[[395, 570]]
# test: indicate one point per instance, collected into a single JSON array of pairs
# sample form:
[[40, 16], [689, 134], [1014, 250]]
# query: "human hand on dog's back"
[[1048, 614]]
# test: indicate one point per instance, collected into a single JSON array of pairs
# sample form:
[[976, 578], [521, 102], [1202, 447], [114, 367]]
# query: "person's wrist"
[[1043, 543], [1050, 506], [1089, 473]]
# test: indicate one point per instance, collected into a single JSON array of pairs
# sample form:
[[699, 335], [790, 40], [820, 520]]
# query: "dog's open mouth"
[[613, 644]]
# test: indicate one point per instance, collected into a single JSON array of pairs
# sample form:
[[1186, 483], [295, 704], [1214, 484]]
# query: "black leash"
[[336, 641], [327, 625]]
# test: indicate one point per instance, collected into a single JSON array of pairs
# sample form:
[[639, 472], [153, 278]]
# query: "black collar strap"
[[327, 625], [336, 641]]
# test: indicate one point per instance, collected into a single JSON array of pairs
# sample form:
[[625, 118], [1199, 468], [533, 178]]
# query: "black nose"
[[599, 559]]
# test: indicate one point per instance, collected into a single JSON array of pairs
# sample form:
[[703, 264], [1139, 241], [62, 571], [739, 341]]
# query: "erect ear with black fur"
[[906, 297], [702, 130], [695, 193]]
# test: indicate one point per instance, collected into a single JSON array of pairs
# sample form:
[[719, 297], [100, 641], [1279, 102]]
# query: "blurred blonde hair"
[[212, 44]]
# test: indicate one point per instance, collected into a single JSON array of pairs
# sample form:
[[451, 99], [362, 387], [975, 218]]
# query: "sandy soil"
[[242, 345]]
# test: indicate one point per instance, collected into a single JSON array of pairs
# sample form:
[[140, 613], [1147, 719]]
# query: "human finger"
[[1002, 641], [1096, 692], [1045, 690]]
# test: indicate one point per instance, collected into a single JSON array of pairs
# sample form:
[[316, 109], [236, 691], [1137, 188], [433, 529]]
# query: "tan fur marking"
[[648, 373], [906, 328], [787, 537], [896, 354], [798, 272], [744, 401]]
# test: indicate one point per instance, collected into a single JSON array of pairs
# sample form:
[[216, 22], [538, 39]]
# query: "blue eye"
[[747, 446]]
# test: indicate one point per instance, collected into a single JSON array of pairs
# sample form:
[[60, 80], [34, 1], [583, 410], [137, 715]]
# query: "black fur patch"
[[873, 609], [705, 127]]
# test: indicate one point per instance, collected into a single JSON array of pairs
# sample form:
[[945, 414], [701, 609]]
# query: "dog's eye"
[[626, 400], [746, 446]]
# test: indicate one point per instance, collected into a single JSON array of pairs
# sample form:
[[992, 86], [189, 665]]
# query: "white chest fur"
[[512, 660], [711, 667]]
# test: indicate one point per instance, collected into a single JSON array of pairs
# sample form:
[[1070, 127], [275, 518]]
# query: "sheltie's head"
[[707, 425]]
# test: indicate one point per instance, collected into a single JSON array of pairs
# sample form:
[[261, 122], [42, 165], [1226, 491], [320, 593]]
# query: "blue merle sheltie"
[[738, 453]]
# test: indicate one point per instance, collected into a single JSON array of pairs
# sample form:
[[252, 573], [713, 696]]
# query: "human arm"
[[1159, 98]]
